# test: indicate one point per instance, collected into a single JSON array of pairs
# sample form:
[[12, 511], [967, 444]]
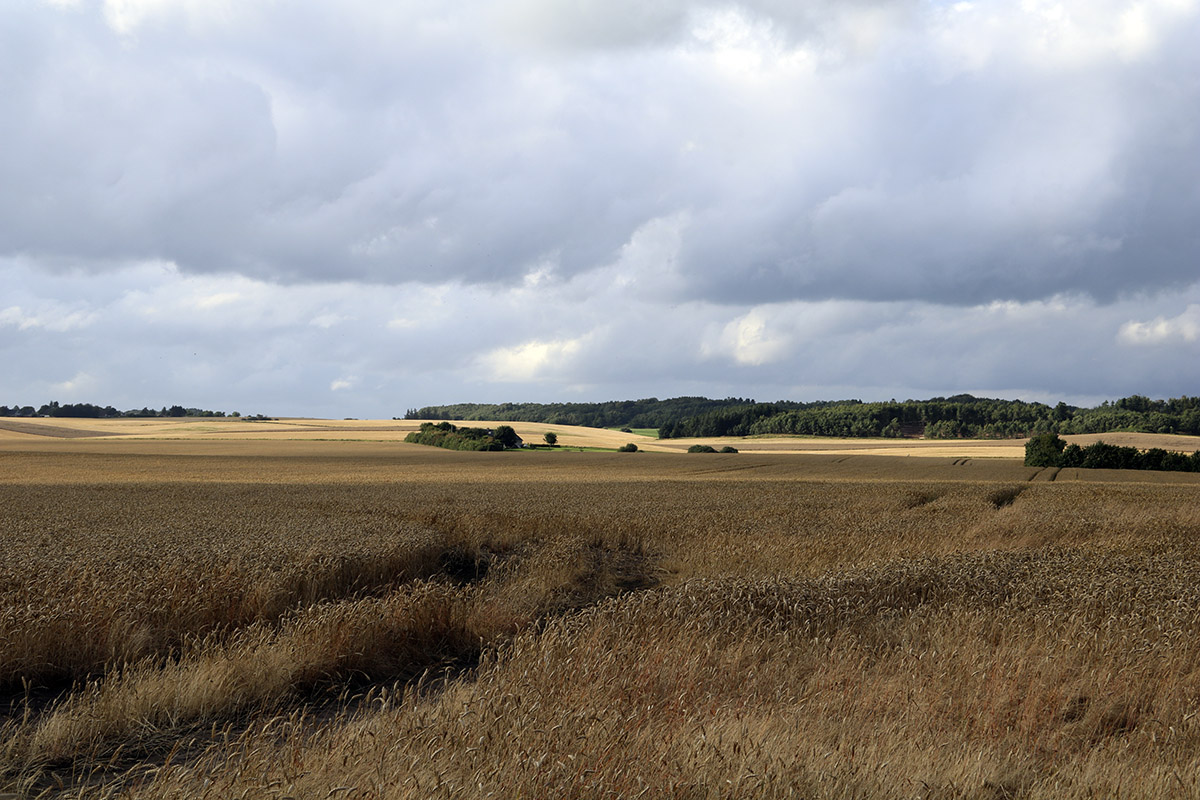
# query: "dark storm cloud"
[[984, 186], [865, 150], [298, 148]]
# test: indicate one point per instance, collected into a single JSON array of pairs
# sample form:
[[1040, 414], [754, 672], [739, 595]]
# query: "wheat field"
[[369, 619], [132, 434]]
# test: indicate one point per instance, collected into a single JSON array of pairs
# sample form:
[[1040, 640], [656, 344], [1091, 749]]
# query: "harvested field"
[[1142, 441], [212, 430], [219, 618], [230, 429]]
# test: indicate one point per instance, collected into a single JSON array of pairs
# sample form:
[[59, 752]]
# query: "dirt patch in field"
[[55, 431]]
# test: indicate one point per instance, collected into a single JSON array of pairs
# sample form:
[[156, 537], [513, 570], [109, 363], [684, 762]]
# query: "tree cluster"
[[1049, 450], [957, 417], [451, 437]]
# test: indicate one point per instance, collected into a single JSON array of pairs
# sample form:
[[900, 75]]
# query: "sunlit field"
[[213, 612], [22, 433]]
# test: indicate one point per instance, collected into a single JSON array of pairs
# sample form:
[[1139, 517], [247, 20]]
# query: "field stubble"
[[450, 627]]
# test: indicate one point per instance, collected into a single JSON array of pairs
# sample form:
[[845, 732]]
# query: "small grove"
[[1050, 450], [452, 437]]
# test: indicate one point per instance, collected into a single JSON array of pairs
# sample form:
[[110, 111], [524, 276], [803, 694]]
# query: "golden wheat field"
[[222, 616]]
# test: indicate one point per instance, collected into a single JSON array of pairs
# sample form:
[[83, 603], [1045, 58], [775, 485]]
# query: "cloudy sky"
[[353, 208]]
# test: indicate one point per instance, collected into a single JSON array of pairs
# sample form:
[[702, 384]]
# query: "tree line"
[[90, 411], [646, 413], [956, 417], [1048, 450]]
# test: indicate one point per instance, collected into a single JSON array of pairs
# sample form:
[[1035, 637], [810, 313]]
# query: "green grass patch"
[[651, 432]]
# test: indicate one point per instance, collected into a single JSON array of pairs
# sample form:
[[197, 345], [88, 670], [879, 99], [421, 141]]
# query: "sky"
[[351, 209]]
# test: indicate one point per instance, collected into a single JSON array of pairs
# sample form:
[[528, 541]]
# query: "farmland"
[[226, 608]]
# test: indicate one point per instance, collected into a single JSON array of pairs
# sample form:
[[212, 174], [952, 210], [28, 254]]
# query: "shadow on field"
[[1004, 497], [332, 643]]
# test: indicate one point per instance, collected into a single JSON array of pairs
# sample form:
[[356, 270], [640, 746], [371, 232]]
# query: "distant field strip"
[[318, 432], [54, 431]]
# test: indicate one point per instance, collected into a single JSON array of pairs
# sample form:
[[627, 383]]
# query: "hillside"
[[958, 417]]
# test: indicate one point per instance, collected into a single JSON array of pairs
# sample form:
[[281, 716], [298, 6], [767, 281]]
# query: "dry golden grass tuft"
[[393, 624]]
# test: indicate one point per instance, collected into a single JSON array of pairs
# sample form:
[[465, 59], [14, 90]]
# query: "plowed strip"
[[33, 429]]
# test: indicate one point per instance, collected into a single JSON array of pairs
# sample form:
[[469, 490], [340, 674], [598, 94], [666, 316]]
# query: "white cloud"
[[126, 16], [342, 384], [749, 340], [1054, 35], [49, 316], [401, 323], [327, 320], [75, 388], [218, 299], [529, 361], [1163, 330]]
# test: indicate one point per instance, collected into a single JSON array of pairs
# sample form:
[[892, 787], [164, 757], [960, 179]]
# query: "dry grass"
[[370, 620], [943, 678]]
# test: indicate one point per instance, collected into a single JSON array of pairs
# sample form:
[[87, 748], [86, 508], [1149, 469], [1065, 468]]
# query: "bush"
[[1102, 455], [1044, 450], [1072, 456], [728, 449], [627, 448], [702, 448], [506, 436]]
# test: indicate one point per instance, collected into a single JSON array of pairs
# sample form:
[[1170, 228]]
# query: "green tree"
[[506, 436], [551, 438], [1072, 456], [1044, 450]]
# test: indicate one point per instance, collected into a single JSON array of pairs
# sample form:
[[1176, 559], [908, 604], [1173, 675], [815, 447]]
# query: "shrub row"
[[1049, 450]]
